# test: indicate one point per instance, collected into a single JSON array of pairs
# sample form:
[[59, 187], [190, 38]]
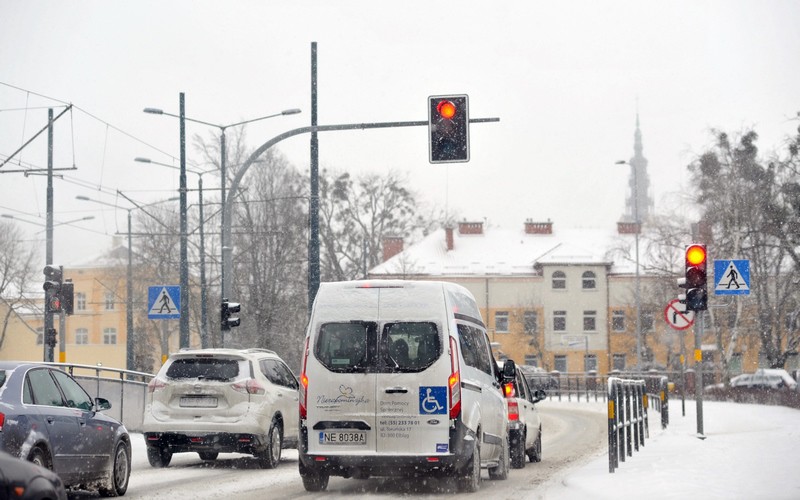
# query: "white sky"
[[563, 77]]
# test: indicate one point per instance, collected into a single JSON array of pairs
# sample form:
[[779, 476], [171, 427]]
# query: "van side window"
[[346, 347], [409, 346], [474, 348]]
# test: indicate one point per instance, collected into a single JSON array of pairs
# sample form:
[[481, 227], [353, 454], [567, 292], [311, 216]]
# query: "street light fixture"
[[10, 216], [203, 287], [638, 298], [224, 245], [129, 344]]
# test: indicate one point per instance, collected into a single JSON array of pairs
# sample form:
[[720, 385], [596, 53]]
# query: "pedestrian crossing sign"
[[163, 302], [732, 277]]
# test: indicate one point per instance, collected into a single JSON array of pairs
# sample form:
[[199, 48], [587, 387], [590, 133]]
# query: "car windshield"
[[204, 368]]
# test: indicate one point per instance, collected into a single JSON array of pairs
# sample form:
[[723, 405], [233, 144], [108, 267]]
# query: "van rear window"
[[354, 347]]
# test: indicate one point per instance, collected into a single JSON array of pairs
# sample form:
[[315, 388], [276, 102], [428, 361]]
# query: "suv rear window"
[[352, 347], [204, 368]]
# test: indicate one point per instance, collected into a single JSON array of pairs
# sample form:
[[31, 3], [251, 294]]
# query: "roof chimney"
[[538, 227], [470, 228], [448, 236], [392, 245]]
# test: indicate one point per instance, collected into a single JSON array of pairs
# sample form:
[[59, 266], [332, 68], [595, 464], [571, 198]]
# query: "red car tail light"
[[249, 386], [454, 381], [155, 384], [513, 410], [304, 384]]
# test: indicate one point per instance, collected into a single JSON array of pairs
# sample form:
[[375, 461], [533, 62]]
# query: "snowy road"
[[572, 434]]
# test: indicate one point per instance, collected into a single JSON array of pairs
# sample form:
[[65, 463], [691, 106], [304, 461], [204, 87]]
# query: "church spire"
[[639, 203]]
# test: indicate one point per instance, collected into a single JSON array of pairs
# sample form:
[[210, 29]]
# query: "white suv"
[[212, 401]]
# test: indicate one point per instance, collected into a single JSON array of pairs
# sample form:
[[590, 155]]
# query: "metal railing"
[[126, 390], [628, 425]]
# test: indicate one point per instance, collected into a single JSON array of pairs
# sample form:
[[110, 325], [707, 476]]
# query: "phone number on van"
[[343, 437]]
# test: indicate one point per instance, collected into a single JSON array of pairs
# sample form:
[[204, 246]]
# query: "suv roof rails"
[[259, 349]]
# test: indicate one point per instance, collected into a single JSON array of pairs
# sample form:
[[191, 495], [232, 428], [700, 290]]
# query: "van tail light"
[[454, 382], [513, 410], [155, 384], [508, 390], [304, 383], [249, 386]]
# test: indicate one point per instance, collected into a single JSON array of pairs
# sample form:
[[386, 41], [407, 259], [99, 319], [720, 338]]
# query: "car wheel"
[[501, 471], [120, 473], [158, 456], [518, 450], [535, 454], [208, 455], [313, 480], [271, 456], [40, 457], [470, 481]]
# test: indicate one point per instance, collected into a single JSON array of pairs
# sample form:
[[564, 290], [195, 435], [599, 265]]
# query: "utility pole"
[[313, 202], [48, 317]]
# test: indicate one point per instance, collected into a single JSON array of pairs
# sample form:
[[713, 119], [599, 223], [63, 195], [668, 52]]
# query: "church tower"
[[639, 201]]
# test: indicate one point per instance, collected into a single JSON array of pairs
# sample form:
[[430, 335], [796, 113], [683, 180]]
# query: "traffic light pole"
[[227, 262], [698, 373]]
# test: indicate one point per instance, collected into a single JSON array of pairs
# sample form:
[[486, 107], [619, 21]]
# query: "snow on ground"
[[749, 452]]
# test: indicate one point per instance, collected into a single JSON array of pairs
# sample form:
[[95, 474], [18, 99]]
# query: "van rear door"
[[411, 390]]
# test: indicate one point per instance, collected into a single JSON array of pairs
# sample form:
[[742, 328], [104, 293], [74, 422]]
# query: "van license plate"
[[343, 437]]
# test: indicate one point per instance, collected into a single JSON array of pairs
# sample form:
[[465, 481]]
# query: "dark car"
[[47, 418], [26, 481]]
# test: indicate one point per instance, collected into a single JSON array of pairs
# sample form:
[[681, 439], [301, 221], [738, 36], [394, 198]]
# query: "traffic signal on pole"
[[448, 128], [54, 277], [696, 277], [67, 296], [228, 308]]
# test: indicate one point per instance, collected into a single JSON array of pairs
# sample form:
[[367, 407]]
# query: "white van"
[[399, 380]]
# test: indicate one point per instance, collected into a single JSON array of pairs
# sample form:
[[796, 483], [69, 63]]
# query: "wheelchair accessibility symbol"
[[433, 400]]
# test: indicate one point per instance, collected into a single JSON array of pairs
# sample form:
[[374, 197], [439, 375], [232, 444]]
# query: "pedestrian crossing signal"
[[696, 278]]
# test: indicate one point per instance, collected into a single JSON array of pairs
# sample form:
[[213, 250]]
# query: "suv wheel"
[[501, 471], [470, 481], [518, 450], [536, 454], [313, 480], [158, 456], [271, 455]]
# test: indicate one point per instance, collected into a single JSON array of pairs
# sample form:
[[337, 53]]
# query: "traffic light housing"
[[67, 296], [228, 308], [54, 277], [448, 128], [696, 277]]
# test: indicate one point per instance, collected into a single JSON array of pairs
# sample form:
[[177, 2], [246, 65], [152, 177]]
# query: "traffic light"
[[54, 277], [67, 296], [228, 308], [448, 128], [696, 278]]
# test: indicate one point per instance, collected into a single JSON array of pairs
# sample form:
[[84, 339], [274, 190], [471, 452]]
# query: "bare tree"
[[16, 273]]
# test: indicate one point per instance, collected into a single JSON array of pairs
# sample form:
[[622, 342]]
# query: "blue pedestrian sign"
[[163, 302], [732, 277]]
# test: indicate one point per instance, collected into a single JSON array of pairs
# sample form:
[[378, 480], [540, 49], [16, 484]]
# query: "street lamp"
[[10, 216], [203, 287], [129, 359], [637, 285], [224, 245]]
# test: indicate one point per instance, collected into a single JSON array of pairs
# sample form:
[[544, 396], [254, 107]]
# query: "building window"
[[618, 321], [559, 280], [531, 320], [735, 364], [501, 321], [531, 360], [589, 321], [618, 362], [80, 301], [647, 321], [588, 280], [589, 363], [109, 335], [40, 335], [560, 363], [559, 321], [82, 336], [109, 301]]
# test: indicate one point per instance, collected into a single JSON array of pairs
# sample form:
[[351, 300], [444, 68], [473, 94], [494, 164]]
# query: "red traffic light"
[[446, 109], [695, 255]]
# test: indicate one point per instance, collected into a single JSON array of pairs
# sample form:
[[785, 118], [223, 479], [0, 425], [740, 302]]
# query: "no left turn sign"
[[676, 317]]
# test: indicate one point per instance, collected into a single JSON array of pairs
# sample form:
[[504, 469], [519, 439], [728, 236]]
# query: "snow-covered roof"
[[502, 251], [107, 259]]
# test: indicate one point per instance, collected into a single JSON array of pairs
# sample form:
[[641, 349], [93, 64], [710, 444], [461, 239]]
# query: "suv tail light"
[[304, 383], [249, 386], [513, 410], [454, 381], [155, 384]]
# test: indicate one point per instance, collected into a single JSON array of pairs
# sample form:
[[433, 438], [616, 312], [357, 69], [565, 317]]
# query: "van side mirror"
[[509, 370]]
